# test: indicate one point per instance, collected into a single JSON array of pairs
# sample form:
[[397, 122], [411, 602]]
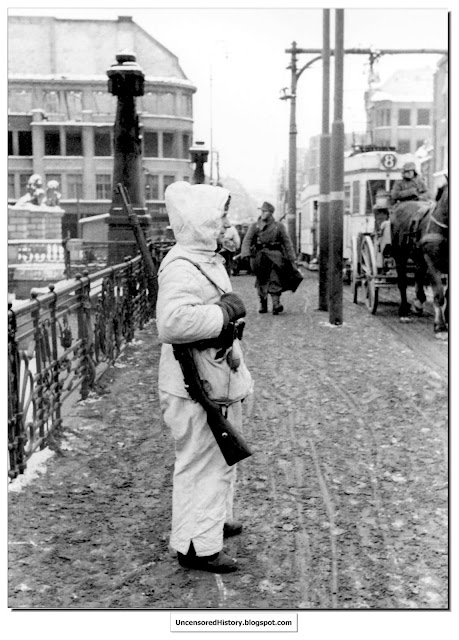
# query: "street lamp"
[[199, 154], [295, 75], [126, 82]]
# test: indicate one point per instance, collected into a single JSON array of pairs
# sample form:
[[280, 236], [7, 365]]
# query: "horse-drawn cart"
[[372, 265]]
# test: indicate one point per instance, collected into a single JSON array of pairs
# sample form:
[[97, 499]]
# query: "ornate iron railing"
[[61, 341]]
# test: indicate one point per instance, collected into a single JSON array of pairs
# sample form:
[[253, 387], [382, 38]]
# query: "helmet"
[[409, 166]]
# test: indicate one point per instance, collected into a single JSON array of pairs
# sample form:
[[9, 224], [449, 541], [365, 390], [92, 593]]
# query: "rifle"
[[232, 445], [152, 273]]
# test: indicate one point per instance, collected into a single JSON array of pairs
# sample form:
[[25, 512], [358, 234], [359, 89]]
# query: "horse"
[[419, 232]]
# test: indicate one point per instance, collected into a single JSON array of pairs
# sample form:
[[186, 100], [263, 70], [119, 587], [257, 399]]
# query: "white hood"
[[195, 213]]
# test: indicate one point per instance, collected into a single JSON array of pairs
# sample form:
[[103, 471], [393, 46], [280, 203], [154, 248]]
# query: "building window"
[[25, 143], [150, 144], [104, 103], [404, 117], [184, 100], [102, 143], [166, 104], [73, 143], [423, 117], [150, 103], [51, 101], [10, 143], [347, 196], [168, 145], [23, 182], [186, 146], [151, 187], [103, 186], [355, 196], [168, 180], [74, 186], [52, 143], [19, 101], [73, 104], [188, 106], [404, 146], [383, 118], [11, 190]]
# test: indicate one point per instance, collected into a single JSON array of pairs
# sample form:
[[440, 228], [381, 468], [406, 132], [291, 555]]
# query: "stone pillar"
[[38, 141], [89, 175], [126, 82]]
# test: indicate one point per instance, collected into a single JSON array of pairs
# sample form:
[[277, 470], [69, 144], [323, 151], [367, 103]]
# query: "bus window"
[[347, 196], [355, 197]]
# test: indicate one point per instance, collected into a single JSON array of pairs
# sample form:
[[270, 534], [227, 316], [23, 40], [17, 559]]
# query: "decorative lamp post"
[[126, 81], [199, 155], [292, 154]]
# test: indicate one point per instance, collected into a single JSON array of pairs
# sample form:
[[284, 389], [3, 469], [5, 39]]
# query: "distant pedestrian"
[[229, 242], [272, 258]]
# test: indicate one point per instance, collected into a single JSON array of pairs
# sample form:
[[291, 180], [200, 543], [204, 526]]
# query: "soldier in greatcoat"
[[272, 257], [410, 187]]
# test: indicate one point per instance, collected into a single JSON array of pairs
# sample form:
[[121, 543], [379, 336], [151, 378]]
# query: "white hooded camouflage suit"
[[202, 499]]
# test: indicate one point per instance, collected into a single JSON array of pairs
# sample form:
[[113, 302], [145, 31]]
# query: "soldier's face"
[[224, 224], [265, 214], [408, 174]]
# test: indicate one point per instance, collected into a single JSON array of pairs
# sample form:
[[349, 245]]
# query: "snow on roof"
[[50, 77], [406, 85]]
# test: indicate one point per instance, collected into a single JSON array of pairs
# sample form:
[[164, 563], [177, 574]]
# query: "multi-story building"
[[399, 111], [440, 135], [61, 116]]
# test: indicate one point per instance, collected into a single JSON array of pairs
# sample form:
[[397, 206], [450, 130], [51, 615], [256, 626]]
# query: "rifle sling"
[[199, 269]]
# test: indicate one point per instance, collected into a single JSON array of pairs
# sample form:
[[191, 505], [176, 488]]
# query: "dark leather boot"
[[277, 307], [216, 563], [263, 308]]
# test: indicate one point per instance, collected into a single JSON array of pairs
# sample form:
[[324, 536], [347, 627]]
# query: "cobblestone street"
[[344, 501]]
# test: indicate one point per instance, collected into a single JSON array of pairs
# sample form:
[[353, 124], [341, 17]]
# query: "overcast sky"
[[240, 53]]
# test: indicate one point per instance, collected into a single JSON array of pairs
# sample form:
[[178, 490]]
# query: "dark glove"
[[232, 306]]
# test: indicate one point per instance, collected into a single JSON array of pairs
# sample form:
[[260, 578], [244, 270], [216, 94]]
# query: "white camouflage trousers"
[[203, 488]]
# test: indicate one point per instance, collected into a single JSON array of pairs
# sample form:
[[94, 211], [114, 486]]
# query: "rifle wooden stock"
[[142, 243], [232, 445]]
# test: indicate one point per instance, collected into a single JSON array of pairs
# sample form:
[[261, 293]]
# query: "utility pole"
[[337, 181], [324, 197], [291, 215], [292, 155]]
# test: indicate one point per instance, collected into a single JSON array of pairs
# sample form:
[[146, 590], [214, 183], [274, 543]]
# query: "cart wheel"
[[368, 271], [355, 269]]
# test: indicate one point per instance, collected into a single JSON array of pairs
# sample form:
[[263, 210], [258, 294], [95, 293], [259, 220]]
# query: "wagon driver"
[[410, 187]]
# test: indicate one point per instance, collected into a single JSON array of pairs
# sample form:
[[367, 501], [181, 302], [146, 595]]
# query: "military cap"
[[267, 206]]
